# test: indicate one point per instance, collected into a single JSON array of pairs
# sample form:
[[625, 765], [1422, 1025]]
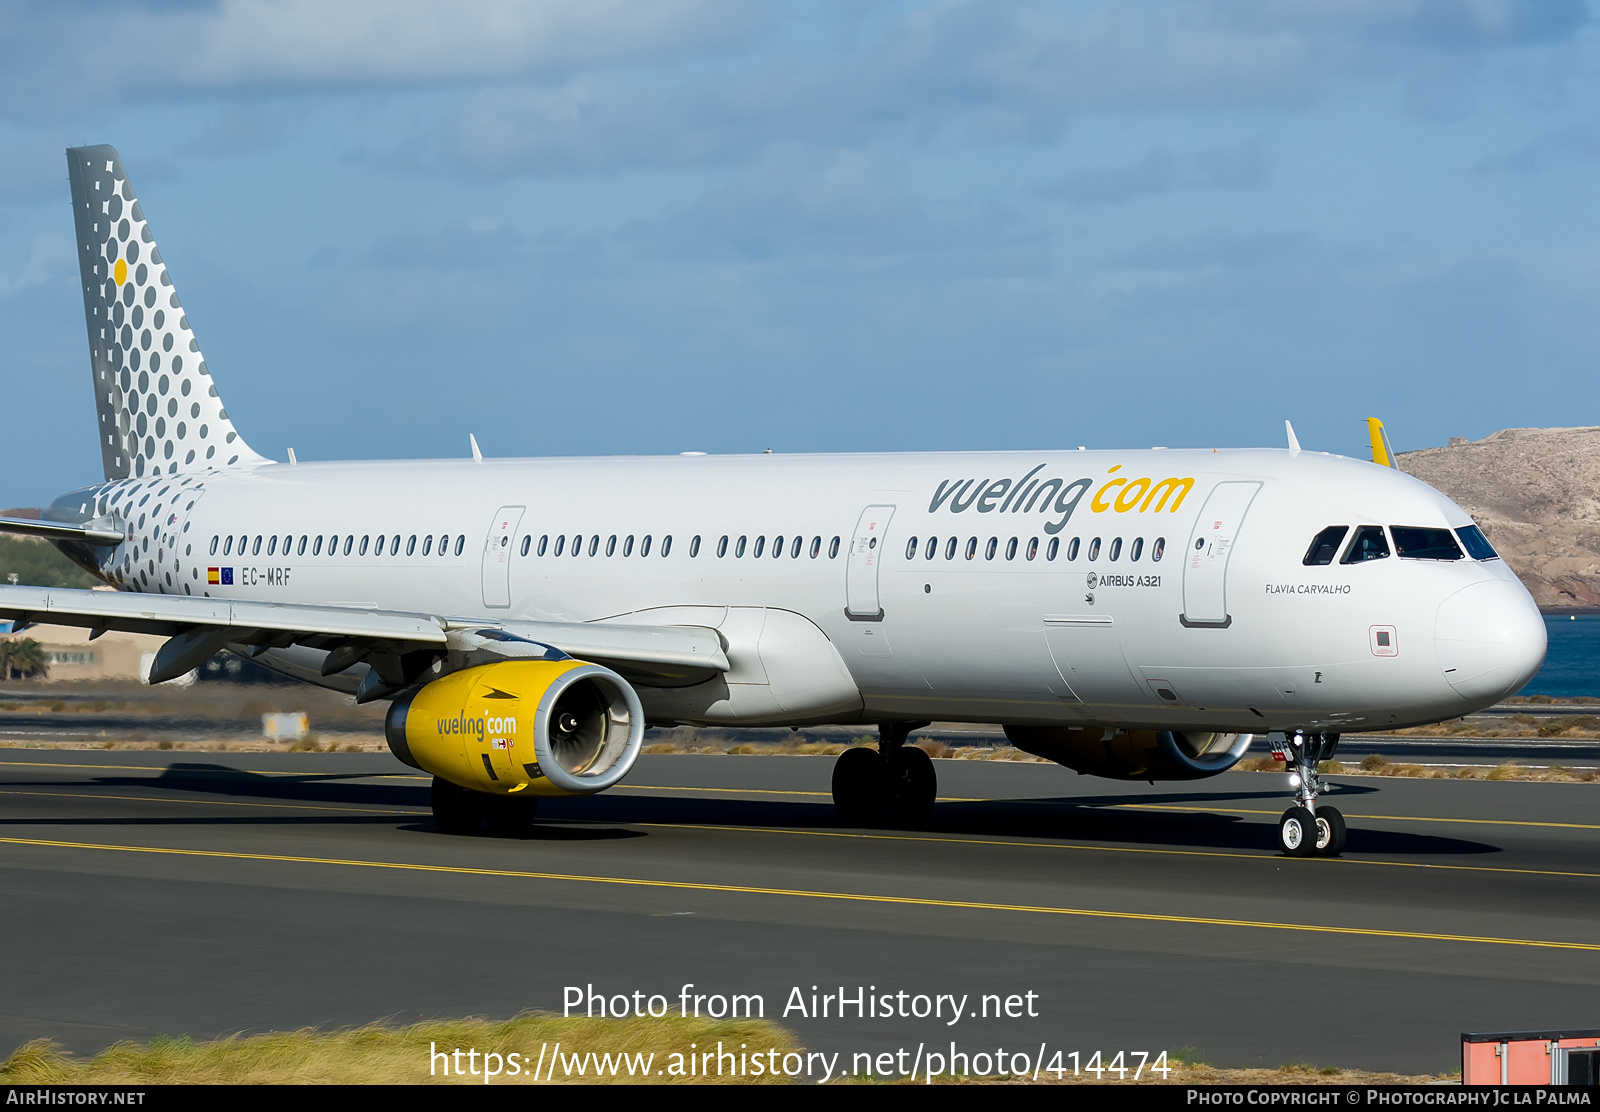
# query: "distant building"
[[72, 656]]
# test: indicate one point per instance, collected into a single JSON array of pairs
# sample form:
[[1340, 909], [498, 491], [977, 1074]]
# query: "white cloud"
[[48, 256], [102, 50]]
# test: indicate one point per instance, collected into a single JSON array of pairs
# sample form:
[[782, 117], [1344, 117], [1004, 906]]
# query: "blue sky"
[[586, 226]]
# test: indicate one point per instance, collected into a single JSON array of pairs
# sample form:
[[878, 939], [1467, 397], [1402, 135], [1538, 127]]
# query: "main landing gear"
[[893, 784], [458, 810], [1307, 830]]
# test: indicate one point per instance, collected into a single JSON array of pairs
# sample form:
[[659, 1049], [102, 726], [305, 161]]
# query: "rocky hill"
[[1536, 492]]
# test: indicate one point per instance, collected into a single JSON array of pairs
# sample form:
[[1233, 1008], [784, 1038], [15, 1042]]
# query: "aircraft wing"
[[397, 645]]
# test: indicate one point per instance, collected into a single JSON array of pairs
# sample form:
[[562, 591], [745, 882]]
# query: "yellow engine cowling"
[[540, 727], [1133, 754]]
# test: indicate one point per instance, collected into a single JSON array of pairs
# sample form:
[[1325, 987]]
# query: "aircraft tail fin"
[[158, 408], [1382, 451]]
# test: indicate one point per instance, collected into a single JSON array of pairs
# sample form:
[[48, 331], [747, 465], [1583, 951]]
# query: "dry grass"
[[1375, 764], [386, 1055]]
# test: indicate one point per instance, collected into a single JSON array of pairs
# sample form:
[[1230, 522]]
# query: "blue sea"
[[1572, 666]]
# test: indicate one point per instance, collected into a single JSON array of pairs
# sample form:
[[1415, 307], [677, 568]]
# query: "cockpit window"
[[1369, 544], [1325, 546], [1425, 544], [1477, 545]]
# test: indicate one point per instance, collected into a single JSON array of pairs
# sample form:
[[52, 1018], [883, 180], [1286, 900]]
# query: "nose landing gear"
[[893, 784], [1307, 830]]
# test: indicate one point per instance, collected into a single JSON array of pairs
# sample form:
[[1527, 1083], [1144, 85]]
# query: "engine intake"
[[1133, 754], [542, 727]]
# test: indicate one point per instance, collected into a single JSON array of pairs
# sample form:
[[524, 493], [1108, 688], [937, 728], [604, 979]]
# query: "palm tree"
[[20, 659]]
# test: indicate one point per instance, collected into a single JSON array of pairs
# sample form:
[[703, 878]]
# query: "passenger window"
[[444, 544], [272, 546], [1116, 548], [666, 546], [427, 544], [777, 547], [1072, 549], [1094, 549], [411, 545], [243, 539], [989, 549], [694, 547], [1138, 547], [287, 540], [1369, 544], [1412, 543], [738, 548], [577, 544], [364, 542], [255, 550], [227, 549], [460, 544], [722, 546], [794, 548], [911, 548], [1157, 549], [561, 543], [527, 543], [611, 545], [1325, 546], [972, 547], [544, 543], [644, 545], [394, 545], [350, 542], [833, 548], [1011, 549], [1478, 546], [316, 545], [215, 540], [1033, 547], [816, 547], [594, 544], [1053, 548], [627, 545], [761, 544]]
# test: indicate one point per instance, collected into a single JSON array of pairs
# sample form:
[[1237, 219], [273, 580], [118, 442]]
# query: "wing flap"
[[168, 615]]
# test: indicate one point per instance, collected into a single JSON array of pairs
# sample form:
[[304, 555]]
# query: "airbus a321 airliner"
[[1140, 615]]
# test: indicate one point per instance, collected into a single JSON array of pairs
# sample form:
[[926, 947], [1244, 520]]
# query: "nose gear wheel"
[[1306, 829]]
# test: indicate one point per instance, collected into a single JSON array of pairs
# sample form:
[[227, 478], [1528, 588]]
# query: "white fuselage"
[[1077, 622]]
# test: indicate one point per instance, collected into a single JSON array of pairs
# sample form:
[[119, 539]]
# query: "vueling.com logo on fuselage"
[[1030, 494]]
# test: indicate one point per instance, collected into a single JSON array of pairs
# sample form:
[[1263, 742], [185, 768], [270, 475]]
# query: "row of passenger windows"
[[931, 548], [1410, 543], [316, 546], [739, 547], [350, 545]]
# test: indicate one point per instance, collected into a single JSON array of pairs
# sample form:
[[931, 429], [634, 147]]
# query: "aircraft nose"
[[1490, 639]]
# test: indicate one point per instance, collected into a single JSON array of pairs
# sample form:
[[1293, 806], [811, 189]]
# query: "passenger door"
[[497, 556], [1205, 562]]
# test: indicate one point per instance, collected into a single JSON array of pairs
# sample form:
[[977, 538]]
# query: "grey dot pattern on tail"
[[159, 409]]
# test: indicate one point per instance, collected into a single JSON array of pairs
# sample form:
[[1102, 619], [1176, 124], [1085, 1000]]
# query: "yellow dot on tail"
[[120, 272]]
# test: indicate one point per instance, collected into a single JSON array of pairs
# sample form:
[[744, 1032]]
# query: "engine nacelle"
[[544, 727], [1133, 754]]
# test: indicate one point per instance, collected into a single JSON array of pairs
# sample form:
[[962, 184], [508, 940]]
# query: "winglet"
[[1382, 452], [477, 456], [1294, 441]]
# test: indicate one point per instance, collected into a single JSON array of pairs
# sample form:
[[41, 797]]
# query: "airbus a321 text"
[[1140, 615]]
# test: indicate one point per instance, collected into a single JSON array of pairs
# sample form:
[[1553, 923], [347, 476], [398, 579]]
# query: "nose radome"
[[1490, 639]]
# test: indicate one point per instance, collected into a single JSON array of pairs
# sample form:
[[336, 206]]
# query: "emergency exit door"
[[867, 549], [1205, 564], [497, 556]]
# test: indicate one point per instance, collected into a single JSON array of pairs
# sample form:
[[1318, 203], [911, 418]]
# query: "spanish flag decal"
[[213, 575]]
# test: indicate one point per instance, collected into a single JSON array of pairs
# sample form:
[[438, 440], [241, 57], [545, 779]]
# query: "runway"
[[148, 894]]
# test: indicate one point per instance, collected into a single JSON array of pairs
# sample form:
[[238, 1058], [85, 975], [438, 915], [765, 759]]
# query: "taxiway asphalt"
[[150, 893]]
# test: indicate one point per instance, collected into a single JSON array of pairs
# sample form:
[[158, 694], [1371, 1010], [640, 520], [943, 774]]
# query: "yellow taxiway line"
[[810, 894]]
